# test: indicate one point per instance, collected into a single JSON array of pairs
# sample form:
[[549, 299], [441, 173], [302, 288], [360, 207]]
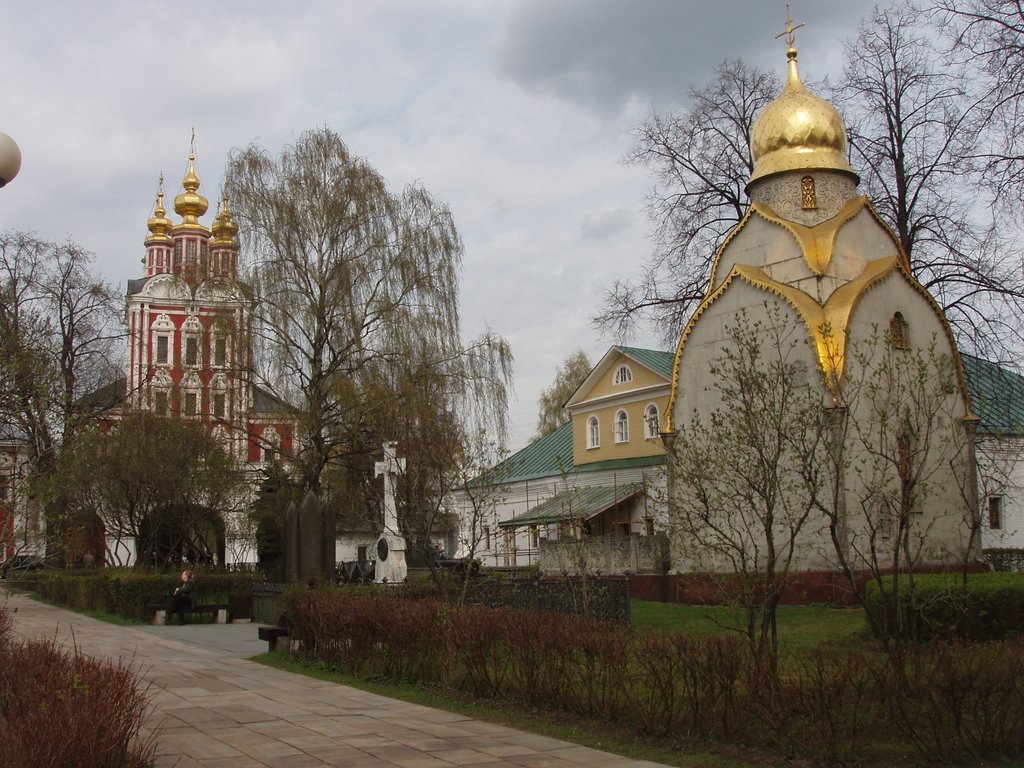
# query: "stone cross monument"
[[391, 567]]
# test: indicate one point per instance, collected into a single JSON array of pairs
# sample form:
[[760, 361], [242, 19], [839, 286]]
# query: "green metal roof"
[[997, 396], [658, 361], [551, 456], [574, 504]]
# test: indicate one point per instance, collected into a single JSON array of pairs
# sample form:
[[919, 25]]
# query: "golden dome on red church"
[[224, 229], [190, 205], [798, 131], [159, 225]]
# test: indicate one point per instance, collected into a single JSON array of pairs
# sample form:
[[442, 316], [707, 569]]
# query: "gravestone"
[[291, 543], [311, 531], [305, 549], [390, 548]]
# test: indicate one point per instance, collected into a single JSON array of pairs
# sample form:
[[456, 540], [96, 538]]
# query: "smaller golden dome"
[[190, 205], [225, 231], [798, 131], [159, 225]]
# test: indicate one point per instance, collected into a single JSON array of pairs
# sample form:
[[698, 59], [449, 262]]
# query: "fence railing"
[[604, 597], [1005, 559], [264, 601]]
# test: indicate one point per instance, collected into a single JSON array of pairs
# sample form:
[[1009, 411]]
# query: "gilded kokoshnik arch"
[[813, 251]]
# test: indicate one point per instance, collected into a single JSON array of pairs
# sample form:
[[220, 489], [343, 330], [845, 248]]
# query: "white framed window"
[[190, 404], [623, 375], [161, 402], [163, 350], [593, 432], [191, 333], [192, 351], [220, 351], [163, 332], [271, 443], [652, 422], [995, 513], [621, 427], [219, 405]]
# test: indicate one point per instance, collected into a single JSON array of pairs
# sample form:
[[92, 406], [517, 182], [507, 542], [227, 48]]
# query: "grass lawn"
[[801, 627]]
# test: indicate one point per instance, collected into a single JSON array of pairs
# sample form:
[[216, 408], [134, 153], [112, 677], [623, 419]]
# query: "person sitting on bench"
[[184, 597]]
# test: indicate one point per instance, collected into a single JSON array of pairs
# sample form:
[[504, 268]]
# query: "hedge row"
[[61, 708], [949, 702], [988, 606], [127, 593]]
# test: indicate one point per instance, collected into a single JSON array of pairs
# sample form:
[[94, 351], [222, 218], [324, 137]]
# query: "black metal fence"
[[1005, 559], [264, 601], [603, 597]]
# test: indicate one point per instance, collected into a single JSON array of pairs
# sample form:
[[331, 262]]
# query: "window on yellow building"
[[621, 427]]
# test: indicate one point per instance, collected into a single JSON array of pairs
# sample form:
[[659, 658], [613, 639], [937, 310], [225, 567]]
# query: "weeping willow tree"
[[357, 315]]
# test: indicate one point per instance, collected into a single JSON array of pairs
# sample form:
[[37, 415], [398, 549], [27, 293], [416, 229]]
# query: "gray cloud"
[[605, 54]]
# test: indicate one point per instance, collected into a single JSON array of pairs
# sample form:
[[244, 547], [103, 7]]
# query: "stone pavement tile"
[[196, 745], [406, 758], [505, 750], [468, 757], [208, 719]]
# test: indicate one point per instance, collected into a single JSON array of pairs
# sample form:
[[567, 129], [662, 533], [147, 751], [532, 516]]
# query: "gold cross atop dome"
[[790, 29]]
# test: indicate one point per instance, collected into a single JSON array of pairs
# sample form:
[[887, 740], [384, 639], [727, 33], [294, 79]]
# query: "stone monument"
[[390, 548], [304, 534]]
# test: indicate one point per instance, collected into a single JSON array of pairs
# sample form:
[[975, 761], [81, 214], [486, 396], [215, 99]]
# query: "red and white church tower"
[[189, 324]]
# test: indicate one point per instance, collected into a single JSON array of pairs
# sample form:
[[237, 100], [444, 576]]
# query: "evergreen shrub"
[[127, 593], [987, 606]]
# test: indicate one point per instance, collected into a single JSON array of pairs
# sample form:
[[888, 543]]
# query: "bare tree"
[[357, 293], [746, 476], [551, 413], [914, 126], [897, 444], [700, 160], [990, 34]]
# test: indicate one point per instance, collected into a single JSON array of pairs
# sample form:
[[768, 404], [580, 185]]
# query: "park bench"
[[220, 612], [272, 635]]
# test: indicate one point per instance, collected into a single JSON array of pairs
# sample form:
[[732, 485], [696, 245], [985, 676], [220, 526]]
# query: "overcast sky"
[[517, 113]]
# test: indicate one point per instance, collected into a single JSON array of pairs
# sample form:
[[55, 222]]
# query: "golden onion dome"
[[224, 229], [798, 131], [190, 205], [159, 225]]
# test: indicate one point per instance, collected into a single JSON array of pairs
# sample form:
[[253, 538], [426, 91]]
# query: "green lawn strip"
[[801, 627], [590, 733], [110, 618]]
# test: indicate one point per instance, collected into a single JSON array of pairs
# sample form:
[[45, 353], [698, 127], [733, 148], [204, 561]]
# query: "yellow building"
[[599, 478]]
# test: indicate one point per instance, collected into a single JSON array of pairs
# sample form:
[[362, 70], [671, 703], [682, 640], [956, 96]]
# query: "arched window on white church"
[[652, 422], [623, 375], [621, 427], [898, 331], [593, 433]]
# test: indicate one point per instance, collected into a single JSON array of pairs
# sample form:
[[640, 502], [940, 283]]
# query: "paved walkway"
[[213, 708]]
